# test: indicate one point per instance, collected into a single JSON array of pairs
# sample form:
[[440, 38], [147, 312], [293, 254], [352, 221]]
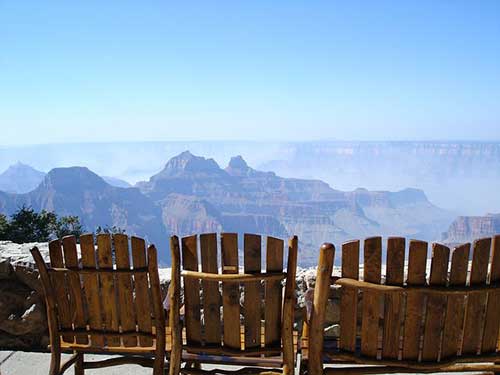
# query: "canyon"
[[193, 194]]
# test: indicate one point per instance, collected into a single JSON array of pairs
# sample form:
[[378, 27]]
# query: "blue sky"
[[289, 70]]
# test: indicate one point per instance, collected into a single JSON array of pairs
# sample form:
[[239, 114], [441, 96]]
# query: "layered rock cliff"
[[196, 194], [468, 228]]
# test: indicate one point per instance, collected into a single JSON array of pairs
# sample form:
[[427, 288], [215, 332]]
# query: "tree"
[[109, 230], [68, 226], [3, 226], [26, 225]]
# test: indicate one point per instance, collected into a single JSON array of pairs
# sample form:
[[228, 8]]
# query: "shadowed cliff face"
[[78, 191], [193, 194]]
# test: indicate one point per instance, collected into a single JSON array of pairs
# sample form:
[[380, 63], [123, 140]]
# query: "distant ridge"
[[20, 178]]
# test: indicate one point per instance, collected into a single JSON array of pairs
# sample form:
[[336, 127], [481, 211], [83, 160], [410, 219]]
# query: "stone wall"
[[23, 321]]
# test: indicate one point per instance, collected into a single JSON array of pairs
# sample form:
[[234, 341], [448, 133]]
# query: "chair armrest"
[[364, 285]]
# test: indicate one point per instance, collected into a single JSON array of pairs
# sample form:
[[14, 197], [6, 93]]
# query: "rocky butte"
[[192, 194], [468, 228]]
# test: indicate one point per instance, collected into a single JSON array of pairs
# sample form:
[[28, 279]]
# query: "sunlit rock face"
[[196, 195], [468, 228]]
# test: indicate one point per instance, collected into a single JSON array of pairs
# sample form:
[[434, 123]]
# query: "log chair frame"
[[279, 337], [72, 293], [458, 330]]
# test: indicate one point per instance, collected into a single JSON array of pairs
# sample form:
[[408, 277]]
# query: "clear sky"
[[291, 70]]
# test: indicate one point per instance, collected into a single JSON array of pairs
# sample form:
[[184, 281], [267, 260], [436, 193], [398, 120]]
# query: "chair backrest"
[[214, 284], [109, 298], [416, 318]]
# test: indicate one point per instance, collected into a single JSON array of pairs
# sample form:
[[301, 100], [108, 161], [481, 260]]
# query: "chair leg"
[[55, 360], [79, 365], [159, 363]]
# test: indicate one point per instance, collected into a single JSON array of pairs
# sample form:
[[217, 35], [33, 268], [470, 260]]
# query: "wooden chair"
[[103, 304], [214, 332], [449, 322]]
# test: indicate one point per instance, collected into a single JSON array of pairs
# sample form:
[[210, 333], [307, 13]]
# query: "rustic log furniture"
[[214, 330], [103, 304], [448, 321]]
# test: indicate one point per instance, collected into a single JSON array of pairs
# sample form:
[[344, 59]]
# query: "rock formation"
[[468, 228], [20, 178], [192, 194]]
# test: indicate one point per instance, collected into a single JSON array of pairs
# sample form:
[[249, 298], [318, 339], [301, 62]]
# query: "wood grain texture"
[[52, 313], [191, 291], [91, 285], [349, 297], [76, 301], [371, 301], [273, 292], [174, 316], [392, 303], [492, 318], [59, 283], [321, 293], [142, 294], [109, 301], [158, 312], [474, 316], [436, 305], [289, 303], [124, 286], [211, 295], [455, 308], [253, 302], [230, 291], [412, 330]]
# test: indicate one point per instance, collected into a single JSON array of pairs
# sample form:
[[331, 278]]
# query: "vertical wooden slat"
[[417, 262], [124, 284], [91, 285], [50, 300], [211, 294], [142, 298], [191, 291], [371, 300], [76, 302], [455, 306], [436, 304], [252, 303], [492, 319], [158, 312], [287, 336], [174, 290], [230, 291], [273, 296], [392, 312], [109, 302], [349, 296], [476, 302], [59, 283], [321, 293]]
